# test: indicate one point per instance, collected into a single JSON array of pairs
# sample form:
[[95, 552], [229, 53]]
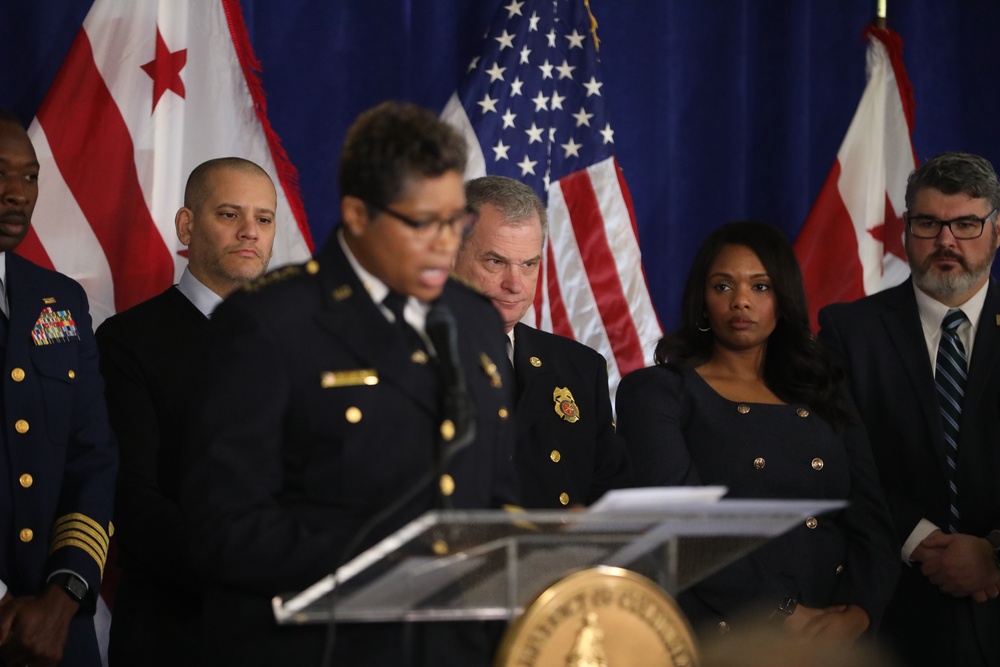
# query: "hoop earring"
[[704, 329]]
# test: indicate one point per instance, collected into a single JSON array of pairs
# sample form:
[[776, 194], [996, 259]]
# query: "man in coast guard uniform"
[[59, 459], [150, 363], [567, 452], [322, 408]]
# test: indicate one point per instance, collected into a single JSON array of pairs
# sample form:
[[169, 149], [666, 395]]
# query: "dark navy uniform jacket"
[[315, 416], [567, 451], [60, 460]]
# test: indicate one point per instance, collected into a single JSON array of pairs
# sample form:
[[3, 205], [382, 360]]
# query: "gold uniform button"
[[817, 463], [839, 570], [440, 547], [535, 361], [17, 374], [353, 415], [21, 426], [419, 357], [72, 374], [447, 485], [802, 412], [555, 455], [564, 498], [742, 408], [26, 480], [723, 627], [811, 523], [312, 267], [27, 535], [503, 413], [759, 462], [448, 430]]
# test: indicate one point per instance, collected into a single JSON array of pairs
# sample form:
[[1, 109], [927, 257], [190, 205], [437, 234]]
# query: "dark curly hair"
[[797, 368]]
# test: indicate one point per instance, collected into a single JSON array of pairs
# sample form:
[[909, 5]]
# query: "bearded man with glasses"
[[923, 364]]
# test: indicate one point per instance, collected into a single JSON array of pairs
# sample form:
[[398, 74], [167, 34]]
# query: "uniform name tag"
[[351, 378]]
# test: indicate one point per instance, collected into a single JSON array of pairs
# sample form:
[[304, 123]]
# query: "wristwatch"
[[993, 537], [788, 606], [74, 586]]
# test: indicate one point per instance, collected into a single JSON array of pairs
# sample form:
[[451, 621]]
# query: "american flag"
[[533, 107]]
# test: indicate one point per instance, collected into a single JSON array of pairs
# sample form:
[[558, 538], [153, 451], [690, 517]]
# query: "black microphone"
[[443, 332]]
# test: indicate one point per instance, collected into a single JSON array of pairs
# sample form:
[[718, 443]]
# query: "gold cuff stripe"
[[85, 546], [94, 542], [83, 523]]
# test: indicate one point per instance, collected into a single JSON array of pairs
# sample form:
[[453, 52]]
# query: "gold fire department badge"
[[601, 617], [565, 404]]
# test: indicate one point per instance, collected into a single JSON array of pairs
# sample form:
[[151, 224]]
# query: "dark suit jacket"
[[60, 452], [292, 453], [556, 455], [149, 359], [881, 344]]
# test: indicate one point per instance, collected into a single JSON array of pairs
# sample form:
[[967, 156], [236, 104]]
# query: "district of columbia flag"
[[852, 242], [532, 107], [150, 89]]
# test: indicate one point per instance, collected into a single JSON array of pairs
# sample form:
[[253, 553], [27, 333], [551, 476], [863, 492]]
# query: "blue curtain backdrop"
[[722, 109]]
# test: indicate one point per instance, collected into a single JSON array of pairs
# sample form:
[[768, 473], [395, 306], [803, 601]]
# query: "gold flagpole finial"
[[880, 16], [593, 25]]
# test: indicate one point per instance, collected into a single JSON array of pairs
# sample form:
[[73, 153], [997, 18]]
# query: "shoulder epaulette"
[[279, 275]]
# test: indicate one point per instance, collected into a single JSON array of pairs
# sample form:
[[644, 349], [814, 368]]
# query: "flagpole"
[[880, 22]]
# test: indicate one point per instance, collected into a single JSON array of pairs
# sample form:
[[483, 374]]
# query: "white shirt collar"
[[197, 293]]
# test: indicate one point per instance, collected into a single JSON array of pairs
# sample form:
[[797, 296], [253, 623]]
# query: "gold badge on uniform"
[[351, 378], [491, 370], [565, 405]]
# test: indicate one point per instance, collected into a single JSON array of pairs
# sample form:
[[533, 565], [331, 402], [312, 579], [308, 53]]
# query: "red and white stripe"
[[113, 165], [851, 244]]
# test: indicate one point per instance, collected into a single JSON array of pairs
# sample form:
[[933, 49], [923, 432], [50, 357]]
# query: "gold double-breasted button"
[[503, 413], [817, 463], [440, 547], [759, 462], [27, 535], [564, 498], [447, 430], [742, 408], [17, 374], [555, 456], [353, 415], [839, 570], [447, 485], [723, 627], [26, 480], [802, 412], [21, 426], [71, 373], [812, 522]]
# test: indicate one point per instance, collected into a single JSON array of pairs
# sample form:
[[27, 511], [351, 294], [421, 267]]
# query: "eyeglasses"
[[964, 228], [458, 223]]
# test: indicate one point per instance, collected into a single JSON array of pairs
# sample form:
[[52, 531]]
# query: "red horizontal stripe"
[[557, 309], [602, 272], [93, 149]]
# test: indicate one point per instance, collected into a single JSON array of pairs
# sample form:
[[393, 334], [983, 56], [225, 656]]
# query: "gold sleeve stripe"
[[83, 536], [72, 542], [82, 523]]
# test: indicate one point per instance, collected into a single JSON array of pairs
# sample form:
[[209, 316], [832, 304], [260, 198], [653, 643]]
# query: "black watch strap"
[[74, 586], [993, 537], [788, 606]]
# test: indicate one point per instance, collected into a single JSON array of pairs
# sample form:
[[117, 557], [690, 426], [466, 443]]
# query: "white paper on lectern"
[[655, 498]]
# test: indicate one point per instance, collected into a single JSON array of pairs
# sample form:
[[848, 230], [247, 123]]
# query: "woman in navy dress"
[[743, 396]]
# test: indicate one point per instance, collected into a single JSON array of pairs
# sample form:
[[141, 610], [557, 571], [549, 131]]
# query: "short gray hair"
[[514, 199], [954, 173]]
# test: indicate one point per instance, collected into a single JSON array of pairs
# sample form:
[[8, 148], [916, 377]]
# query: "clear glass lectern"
[[489, 565]]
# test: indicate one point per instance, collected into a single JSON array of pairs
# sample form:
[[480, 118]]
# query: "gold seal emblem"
[[565, 404], [601, 617]]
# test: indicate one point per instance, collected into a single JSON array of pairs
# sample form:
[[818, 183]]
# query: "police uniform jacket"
[[880, 341], [60, 455], [316, 416], [567, 451]]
